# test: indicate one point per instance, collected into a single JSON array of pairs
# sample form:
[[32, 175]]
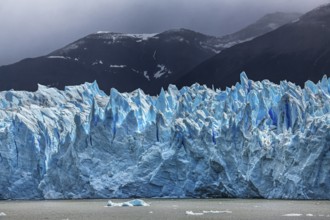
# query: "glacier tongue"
[[256, 139]]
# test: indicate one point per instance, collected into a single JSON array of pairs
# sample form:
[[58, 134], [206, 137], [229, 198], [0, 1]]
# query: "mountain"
[[128, 61], [123, 61], [297, 52], [262, 26], [257, 139]]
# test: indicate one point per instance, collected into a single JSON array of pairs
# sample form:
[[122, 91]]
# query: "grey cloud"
[[36, 27]]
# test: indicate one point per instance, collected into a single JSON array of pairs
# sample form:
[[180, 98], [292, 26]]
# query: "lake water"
[[160, 209]]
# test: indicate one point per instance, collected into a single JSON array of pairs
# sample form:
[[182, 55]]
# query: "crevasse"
[[255, 139]]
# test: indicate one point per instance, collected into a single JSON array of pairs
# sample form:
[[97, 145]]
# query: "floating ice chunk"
[[138, 202], [217, 212], [134, 202], [207, 212], [292, 215], [2, 214], [194, 213]]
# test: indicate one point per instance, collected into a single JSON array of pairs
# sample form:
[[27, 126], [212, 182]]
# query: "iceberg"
[[208, 212], [253, 140], [2, 214], [134, 202]]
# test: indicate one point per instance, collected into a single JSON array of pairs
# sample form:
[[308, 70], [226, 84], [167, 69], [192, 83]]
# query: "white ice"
[[134, 202], [255, 139], [292, 215], [194, 213]]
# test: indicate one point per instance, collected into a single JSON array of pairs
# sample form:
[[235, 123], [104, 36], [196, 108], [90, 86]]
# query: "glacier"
[[253, 140]]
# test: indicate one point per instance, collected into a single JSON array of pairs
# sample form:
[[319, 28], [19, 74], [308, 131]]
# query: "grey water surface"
[[160, 209]]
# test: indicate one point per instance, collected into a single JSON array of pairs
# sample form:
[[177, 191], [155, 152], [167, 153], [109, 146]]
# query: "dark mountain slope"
[[124, 61], [127, 61], [297, 52]]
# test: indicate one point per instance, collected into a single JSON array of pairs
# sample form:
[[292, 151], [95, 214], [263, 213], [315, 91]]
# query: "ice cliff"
[[256, 139]]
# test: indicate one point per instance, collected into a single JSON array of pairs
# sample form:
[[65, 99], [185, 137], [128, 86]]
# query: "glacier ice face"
[[256, 139]]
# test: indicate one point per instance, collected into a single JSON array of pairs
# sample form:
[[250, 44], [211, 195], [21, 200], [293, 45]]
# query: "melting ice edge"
[[256, 139]]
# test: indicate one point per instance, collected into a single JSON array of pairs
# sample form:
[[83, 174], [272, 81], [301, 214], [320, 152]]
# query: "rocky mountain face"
[[296, 52], [128, 61]]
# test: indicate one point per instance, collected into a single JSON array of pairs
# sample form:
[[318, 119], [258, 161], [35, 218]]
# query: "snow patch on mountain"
[[145, 74], [296, 20], [255, 139], [97, 62], [73, 46], [162, 71], [117, 66], [118, 36], [233, 43], [58, 57], [273, 26]]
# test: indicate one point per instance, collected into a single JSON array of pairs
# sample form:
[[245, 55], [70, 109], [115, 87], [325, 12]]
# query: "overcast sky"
[[32, 28]]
